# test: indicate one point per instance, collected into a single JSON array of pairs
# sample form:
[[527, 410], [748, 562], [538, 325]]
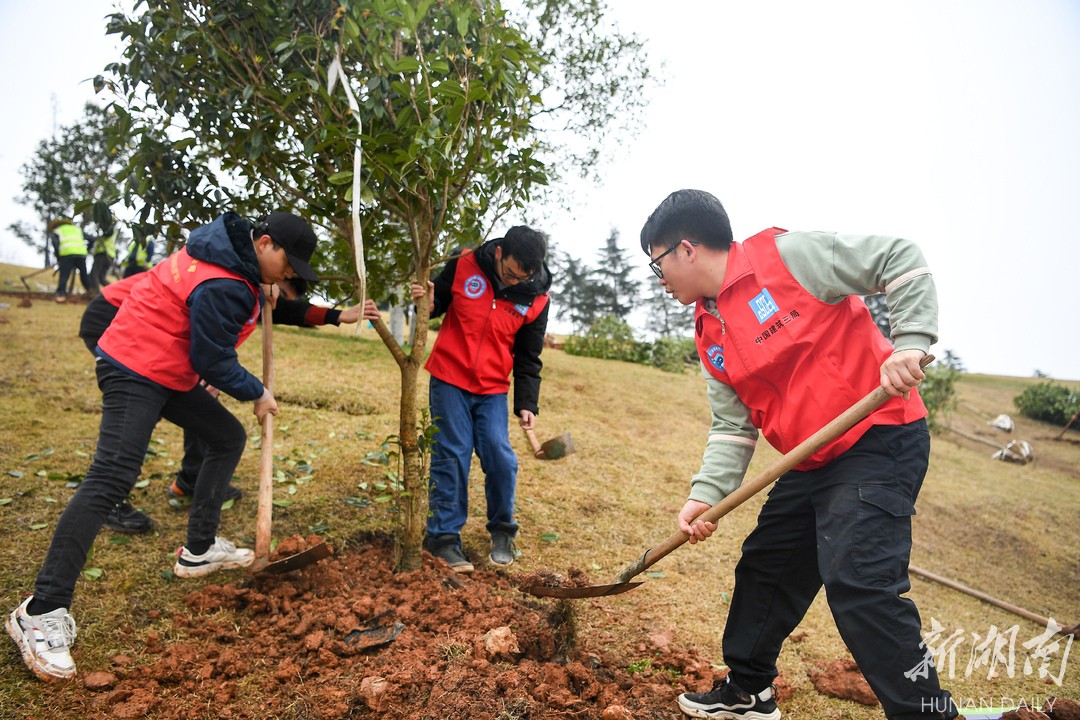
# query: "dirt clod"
[[842, 679]]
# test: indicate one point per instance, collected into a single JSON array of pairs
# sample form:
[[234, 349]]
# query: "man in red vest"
[[786, 344], [182, 323], [496, 304]]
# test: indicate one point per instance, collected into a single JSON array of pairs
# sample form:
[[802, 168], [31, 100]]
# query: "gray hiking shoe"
[[503, 550], [44, 640], [222, 555], [448, 548]]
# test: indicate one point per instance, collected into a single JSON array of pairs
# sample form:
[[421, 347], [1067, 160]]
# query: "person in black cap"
[[178, 327]]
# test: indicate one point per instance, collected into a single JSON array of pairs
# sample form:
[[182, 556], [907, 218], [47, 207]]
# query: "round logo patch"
[[475, 286], [716, 356]]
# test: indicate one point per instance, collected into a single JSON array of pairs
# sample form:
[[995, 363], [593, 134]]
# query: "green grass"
[[1011, 531]]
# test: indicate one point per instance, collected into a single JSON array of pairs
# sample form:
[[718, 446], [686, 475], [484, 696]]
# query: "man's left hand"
[[527, 420]]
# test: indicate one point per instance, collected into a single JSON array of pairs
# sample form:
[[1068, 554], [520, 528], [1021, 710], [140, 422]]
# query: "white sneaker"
[[44, 641], [222, 555]]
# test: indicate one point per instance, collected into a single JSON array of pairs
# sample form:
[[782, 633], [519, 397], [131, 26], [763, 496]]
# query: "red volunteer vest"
[[474, 348], [117, 292], [151, 334], [795, 361]]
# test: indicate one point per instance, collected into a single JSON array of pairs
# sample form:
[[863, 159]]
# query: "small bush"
[[938, 392], [612, 339], [1048, 402]]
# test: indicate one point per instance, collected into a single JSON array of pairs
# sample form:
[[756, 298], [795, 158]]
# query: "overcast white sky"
[[952, 122]]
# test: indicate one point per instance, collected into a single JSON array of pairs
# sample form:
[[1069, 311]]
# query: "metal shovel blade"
[[312, 555], [557, 448], [589, 591]]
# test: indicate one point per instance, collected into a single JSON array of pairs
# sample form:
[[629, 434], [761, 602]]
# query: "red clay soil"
[[471, 647], [347, 638]]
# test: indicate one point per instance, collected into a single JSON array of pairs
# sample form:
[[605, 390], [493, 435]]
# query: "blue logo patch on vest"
[[716, 356], [763, 306], [523, 309], [475, 286]]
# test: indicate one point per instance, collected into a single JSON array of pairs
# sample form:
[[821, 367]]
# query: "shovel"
[[265, 512], [552, 449], [837, 427]]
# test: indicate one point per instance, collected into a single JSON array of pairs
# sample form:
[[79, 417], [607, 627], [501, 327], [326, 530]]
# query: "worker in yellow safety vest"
[[104, 255], [140, 258], [70, 246]]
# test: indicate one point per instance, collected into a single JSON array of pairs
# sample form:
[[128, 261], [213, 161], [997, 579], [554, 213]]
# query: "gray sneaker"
[[448, 548], [222, 555], [503, 550], [44, 640]]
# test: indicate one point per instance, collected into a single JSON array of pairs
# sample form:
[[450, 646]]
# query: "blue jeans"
[[130, 408], [845, 526], [466, 422]]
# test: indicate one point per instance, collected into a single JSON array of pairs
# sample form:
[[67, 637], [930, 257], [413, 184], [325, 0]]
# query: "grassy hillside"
[[1008, 530]]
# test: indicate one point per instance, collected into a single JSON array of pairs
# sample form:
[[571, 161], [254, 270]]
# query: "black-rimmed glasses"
[[654, 264], [510, 275]]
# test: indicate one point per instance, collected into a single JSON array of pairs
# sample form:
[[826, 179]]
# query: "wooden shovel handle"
[[837, 427], [534, 441], [264, 515]]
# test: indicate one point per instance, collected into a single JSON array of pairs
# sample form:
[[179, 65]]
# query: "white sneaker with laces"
[[44, 640], [222, 555]]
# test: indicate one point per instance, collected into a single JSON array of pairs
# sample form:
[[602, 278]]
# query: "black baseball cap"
[[293, 234]]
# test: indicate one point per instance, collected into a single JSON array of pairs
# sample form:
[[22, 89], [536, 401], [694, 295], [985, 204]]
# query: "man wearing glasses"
[[496, 303], [786, 345]]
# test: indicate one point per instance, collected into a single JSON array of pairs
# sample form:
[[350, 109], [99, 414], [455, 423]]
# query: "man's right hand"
[[266, 405], [700, 530]]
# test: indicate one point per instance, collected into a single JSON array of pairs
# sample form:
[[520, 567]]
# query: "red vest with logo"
[[795, 361], [474, 348], [151, 334]]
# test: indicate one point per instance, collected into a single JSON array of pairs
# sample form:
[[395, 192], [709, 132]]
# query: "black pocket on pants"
[[882, 534]]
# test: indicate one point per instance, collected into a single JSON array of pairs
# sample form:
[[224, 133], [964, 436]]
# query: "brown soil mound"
[[347, 638]]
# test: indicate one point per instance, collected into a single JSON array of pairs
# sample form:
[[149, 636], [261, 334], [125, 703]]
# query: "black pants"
[[130, 408], [69, 264], [99, 274], [846, 526]]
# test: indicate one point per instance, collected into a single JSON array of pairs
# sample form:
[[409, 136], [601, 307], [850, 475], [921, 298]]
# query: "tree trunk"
[[414, 496]]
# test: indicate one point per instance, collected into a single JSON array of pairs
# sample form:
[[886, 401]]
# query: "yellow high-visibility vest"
[[72, 241]]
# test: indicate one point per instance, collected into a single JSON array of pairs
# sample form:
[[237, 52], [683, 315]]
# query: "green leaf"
[[39, 526], [549, 537], [227, 505], [283, 503], [142, 484], [14, 473], [5, 501], [384, 498], [340, 178], [93, 573], [120, 540], [167, 575]]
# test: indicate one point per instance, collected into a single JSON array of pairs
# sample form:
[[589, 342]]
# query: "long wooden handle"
[[265, 511], [534, 441], [837, 427], [1015, 609]]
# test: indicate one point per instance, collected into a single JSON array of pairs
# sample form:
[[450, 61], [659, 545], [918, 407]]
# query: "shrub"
[[1048, 402], [609, 338], [613, 339], [938, 392]]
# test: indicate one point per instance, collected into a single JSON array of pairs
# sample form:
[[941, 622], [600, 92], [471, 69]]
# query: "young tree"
[[69, 173], [617, 289], [435, 133], [576, 296], [667, 318]]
